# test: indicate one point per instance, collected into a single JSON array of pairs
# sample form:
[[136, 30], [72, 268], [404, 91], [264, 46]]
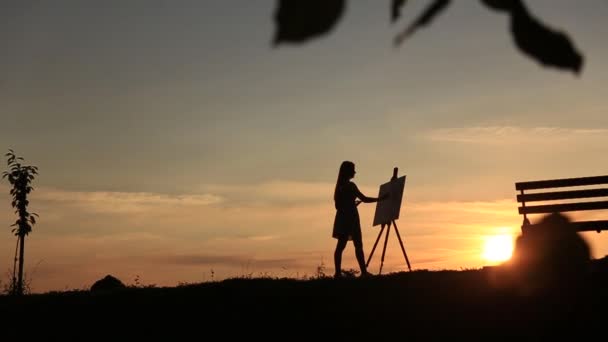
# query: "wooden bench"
[[593, 190]]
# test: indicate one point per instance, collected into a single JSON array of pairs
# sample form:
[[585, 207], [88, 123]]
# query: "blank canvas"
[[388, 210]]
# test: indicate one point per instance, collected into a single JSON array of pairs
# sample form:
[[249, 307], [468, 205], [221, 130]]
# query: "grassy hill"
[[471, 304]]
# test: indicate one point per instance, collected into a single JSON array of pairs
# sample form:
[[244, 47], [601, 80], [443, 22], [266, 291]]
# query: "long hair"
[[346, 171]]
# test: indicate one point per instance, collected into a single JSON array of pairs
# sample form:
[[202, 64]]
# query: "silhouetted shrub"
[[108, 283], [550, 254]]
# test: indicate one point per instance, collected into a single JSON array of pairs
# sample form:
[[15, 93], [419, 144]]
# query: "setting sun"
[[498, 248]]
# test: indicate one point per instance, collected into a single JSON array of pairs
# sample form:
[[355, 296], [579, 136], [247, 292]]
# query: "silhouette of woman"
[[347, 225]]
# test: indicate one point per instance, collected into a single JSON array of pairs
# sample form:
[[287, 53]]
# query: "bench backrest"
[[559, 194]]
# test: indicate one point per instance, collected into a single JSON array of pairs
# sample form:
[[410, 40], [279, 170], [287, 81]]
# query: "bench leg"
[[525, 226]]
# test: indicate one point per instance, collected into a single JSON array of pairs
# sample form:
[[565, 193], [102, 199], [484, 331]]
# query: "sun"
[[498, 248]]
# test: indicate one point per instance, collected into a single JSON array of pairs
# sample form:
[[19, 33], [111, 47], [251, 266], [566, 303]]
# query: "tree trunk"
[[21, 253], [14, 280]]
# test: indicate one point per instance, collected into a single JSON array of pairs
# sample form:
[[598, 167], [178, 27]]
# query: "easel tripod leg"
[[374, 248], [402, 248], [388, 230]]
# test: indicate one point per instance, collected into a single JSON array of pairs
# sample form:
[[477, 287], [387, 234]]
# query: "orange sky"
[[169, 239]]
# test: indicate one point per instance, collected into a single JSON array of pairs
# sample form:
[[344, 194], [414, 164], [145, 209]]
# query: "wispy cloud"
[[277, 192], [220, 215], [124, 201], [233, 261], [514, 135], [503, 207]]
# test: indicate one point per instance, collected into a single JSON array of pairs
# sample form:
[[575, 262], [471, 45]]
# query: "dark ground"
[[472, 304]]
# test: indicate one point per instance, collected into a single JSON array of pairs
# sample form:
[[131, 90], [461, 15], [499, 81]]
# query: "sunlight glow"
[[498, 248]]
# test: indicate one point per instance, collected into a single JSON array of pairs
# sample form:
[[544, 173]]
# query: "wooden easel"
[[388, 230]]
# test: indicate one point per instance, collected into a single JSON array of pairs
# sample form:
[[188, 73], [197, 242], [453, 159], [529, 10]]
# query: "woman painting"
[[347, 225]]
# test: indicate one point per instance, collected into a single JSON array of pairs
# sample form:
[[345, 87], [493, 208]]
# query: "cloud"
[[279, 192], [121, 202], [274, 193], [512, 135], [208, 216], [233, 261]]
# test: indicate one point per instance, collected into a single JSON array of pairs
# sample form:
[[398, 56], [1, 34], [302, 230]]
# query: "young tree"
[[20, 176]]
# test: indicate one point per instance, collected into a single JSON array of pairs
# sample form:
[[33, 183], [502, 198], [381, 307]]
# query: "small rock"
[[108, 283]]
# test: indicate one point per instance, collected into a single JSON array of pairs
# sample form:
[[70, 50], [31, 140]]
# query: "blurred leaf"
[[424, 19], [547, 46], [396, 9], [297, 21], [500, 5]]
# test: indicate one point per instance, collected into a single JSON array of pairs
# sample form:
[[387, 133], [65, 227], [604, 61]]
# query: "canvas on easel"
[[388, 210]]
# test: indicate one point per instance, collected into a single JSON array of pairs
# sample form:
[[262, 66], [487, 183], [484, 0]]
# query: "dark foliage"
[[20, 177], [545, 45], [424, 19], [396, 9], [550, 255], [300, 21]]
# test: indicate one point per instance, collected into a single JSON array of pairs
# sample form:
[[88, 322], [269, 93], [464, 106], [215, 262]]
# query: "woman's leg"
[[358, 242], [338, 255]]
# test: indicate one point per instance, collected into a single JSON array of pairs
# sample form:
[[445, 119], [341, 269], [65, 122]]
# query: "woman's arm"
[[366, 199]]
